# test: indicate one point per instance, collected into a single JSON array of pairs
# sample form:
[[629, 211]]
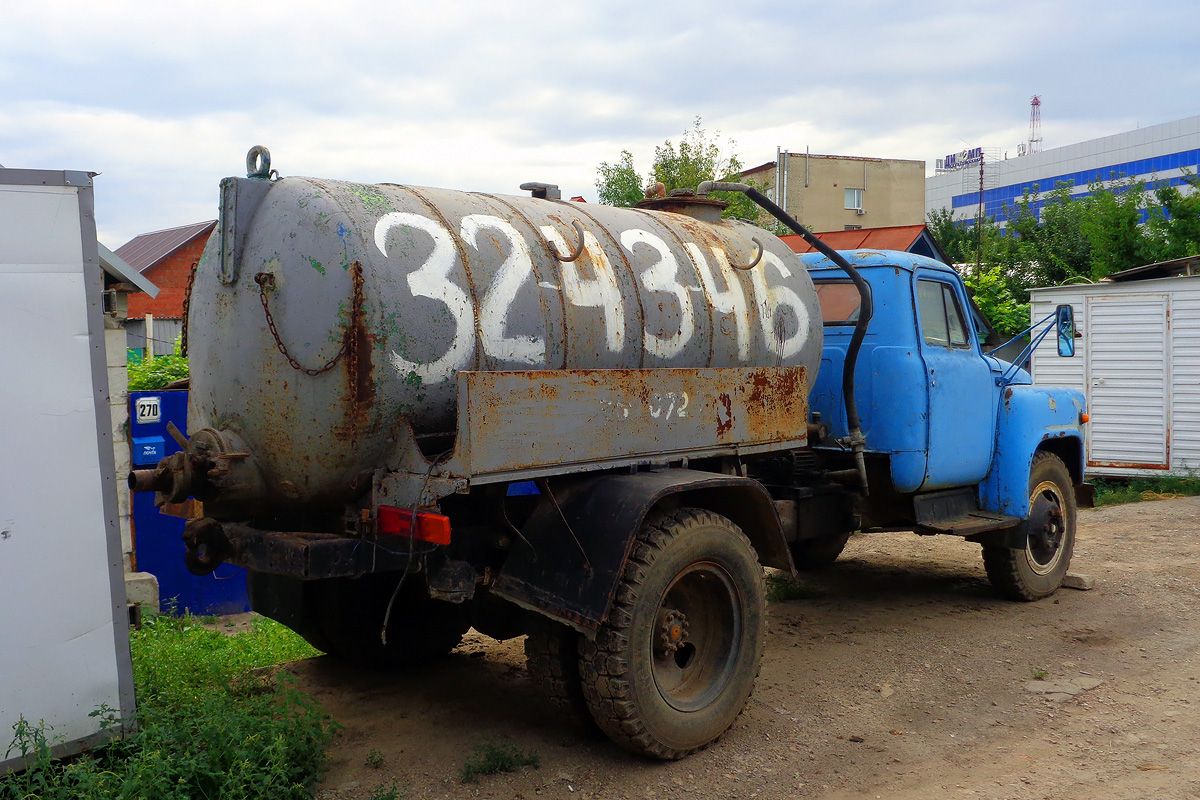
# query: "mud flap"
[[572, 551]]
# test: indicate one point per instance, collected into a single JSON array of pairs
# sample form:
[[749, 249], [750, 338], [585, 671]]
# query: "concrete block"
[[142, 588], [1074, 580]]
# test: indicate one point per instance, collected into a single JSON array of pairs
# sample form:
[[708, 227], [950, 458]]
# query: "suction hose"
[[856, 439]]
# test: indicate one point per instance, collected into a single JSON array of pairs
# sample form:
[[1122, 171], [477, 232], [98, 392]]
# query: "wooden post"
[[149, 337]]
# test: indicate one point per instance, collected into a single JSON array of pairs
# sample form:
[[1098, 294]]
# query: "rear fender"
[[569, 559]]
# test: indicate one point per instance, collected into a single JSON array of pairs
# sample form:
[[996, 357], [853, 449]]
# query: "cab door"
[[961, 387]]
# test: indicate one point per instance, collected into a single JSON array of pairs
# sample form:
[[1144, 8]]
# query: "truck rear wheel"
[[673, 665], [1038, 570], [351, 611], [552, 657]]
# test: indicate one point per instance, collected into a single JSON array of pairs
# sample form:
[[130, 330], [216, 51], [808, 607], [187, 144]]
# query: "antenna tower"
[[1035, 125]]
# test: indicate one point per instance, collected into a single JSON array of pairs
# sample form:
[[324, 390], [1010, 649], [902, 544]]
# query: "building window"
[[852, 228], [854, 199]]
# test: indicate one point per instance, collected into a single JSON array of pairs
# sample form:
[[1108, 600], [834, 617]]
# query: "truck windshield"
[[839, 302]]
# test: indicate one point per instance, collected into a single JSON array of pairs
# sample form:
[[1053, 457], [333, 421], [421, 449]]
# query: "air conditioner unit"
[[860, 212]]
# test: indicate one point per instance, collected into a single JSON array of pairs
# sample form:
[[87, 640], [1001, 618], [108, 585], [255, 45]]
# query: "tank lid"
[[684, 201]]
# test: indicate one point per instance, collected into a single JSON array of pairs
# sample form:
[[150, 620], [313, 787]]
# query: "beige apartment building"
[[833, 193]]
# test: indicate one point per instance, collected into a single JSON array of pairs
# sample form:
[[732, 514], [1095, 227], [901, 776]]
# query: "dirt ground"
[[901, 677]]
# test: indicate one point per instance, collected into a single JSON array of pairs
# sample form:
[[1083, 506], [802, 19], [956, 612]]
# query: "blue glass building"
[[1158, 154]]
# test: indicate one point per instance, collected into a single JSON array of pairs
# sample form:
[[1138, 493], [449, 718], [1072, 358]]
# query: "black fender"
[[569, 558]]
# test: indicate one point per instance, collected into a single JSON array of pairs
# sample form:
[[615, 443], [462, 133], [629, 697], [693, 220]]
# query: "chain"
[[187, 304], [266, 282]]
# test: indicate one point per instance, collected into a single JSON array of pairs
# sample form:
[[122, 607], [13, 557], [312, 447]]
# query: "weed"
[[210, 723], [491, 758], [374, 759], [1038, 673], [387, 792], [1112, 491], [781, 588]]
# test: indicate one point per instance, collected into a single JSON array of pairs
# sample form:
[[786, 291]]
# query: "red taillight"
[[432, 528]]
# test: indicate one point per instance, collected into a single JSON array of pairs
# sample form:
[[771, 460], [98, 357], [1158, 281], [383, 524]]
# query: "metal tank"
[[328, 317]]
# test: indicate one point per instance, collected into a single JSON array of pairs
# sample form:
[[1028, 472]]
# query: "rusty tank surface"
[[329, 320]]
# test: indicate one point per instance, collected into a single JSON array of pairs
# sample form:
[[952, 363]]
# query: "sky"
[[164, 99]]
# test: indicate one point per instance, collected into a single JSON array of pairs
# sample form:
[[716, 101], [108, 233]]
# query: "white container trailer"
[[64, 635], [1138, 362]]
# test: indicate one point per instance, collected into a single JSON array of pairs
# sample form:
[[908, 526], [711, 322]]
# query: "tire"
[[1038, 570], [674, 664], [552, 657], [816, 553], [421, 630]]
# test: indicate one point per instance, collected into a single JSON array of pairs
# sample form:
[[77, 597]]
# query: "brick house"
[[165, 258]]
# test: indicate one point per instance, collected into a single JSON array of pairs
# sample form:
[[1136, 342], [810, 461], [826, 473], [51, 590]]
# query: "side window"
[[839, 302], [942, 321]]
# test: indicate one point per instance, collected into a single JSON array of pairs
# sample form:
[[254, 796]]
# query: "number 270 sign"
[[148, 409]]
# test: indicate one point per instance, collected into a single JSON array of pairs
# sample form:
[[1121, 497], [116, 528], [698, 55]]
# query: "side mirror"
[[1064, 322]]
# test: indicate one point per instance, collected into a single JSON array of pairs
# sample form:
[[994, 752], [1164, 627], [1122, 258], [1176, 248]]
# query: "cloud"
[[165, 99]]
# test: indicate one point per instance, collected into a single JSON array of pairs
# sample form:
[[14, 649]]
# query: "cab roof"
[[910, 262]]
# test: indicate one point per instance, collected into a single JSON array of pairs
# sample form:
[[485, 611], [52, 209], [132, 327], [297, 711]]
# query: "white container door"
[[1128, 393]]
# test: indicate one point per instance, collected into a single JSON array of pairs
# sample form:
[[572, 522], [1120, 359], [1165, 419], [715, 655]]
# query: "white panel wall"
[[1147, 410], [1185, 379], [64, 649]]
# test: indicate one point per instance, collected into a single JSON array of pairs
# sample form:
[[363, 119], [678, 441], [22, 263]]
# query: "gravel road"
[[898, 675]]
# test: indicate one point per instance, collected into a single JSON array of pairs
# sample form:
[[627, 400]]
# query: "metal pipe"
[[856, 440], [149, 480]]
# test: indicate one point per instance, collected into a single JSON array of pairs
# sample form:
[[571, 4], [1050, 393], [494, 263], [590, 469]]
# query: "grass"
[[211, 722], [1038, 673], [781, 588], [1113, 491], [491, 758]]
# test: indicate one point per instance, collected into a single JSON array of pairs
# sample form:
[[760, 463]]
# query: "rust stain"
[[724, 421], [776, 404], [1128, 465]]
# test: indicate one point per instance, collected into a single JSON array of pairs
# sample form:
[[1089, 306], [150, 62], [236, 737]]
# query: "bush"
[[158, 372]]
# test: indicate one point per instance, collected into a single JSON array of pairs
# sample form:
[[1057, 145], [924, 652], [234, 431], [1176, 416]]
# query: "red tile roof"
[[145, 250], [899, 237]]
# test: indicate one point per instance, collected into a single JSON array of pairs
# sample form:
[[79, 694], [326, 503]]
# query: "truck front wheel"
[[1038, 570], [673, 665]]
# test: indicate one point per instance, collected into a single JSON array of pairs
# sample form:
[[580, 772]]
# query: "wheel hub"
[[1047, 532], [673, 631]]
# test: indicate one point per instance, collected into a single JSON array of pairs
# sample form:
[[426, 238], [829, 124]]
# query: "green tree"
[[1110, 220], [619, 184], [1175, 222], [991, 292], [697, 157], [1056, 237]]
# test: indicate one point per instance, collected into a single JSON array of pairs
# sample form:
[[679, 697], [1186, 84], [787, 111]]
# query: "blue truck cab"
[[957, 441]]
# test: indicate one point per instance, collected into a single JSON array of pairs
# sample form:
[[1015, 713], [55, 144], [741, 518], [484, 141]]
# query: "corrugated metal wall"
[[1138, 363], [166, 331], [1127, 381], [1185, 380]]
